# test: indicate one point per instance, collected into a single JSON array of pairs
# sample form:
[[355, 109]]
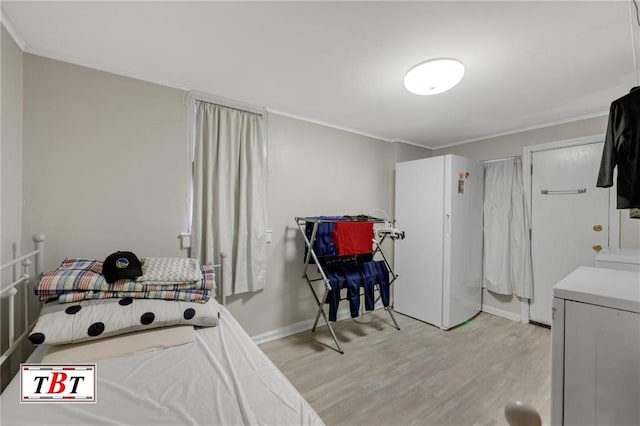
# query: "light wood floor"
[[419, 375]]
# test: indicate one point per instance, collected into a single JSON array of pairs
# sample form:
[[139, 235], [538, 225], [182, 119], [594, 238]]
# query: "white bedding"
[[222, 378]]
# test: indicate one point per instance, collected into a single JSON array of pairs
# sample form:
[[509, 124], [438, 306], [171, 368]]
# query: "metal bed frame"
[[377, 249], [10, 291]]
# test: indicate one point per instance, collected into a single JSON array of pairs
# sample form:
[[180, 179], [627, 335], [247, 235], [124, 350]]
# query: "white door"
[[462, 271], [418, 258], [569, 218]]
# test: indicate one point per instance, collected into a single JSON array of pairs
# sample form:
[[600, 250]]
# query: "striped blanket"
[[199, 296], [80, 279]]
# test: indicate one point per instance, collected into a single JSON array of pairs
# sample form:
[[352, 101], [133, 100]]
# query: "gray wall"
[[512, 145], [406, 152], [313, 170], [11, 155], [105, 160], [629, 230], [11, 187]]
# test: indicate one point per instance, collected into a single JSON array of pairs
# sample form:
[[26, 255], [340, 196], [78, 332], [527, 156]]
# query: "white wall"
[[512, 145]]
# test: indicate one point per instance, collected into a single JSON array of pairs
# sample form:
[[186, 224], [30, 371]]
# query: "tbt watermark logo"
[[58, 383]]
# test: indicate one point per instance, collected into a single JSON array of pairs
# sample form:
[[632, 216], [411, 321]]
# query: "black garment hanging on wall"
[[622, 149]]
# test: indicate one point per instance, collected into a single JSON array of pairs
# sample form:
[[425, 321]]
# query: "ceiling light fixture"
[[434, 76]]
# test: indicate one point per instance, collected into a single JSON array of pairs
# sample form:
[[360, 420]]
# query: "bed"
[[219, 378]]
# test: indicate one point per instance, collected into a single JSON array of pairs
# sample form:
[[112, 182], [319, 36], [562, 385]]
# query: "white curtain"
[[507, 250], [229, 194]]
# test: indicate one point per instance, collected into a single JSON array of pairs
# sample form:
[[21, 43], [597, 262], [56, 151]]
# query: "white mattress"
[[222, 378]]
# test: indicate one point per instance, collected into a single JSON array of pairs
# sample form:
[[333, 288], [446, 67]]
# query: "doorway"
[[571, 219]]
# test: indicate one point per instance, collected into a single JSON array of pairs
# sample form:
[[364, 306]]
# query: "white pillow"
[[61, 323]]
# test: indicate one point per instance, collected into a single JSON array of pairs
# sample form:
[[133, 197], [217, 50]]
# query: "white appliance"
[[595, 374], [627, 259], [439, 263]]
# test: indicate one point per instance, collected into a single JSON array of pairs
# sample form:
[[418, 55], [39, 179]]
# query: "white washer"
[[595, 367], [627, 259]]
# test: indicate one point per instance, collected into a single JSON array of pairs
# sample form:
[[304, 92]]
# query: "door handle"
[[597, 228], [596, 247], [447, 225]]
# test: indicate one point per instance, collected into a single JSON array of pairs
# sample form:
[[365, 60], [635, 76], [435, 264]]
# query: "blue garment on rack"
[[339, 278], [383, 281], [369, 272], [336, 280], [323, 244], [354, 280]]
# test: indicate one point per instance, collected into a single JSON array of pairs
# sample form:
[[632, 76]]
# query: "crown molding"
[[11, 29], [526, 129], [327, 124]]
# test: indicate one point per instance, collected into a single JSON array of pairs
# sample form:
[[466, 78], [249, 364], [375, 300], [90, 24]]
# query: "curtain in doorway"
[[507, 249], [229, 201]]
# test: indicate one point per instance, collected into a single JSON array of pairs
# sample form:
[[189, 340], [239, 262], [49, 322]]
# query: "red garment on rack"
[[353, 238]]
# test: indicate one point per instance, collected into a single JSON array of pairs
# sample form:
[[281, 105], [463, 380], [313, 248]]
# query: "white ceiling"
[[528, 64]]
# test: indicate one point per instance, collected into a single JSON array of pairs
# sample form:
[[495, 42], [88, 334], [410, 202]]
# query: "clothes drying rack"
[[380, 235]]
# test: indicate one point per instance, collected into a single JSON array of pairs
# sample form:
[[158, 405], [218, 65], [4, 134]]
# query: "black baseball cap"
[[120, 265]]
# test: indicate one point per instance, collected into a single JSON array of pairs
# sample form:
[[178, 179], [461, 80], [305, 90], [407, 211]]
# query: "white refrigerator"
[[439, 263]]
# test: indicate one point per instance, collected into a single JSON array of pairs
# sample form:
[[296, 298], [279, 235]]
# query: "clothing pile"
[[123, 275]]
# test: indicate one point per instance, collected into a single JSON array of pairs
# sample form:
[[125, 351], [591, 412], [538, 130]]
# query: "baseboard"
[[279, 333], [500, 313], [298, 327], [294, 328]]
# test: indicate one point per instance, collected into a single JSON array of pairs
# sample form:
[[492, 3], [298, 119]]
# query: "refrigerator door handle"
[[447, 224]]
